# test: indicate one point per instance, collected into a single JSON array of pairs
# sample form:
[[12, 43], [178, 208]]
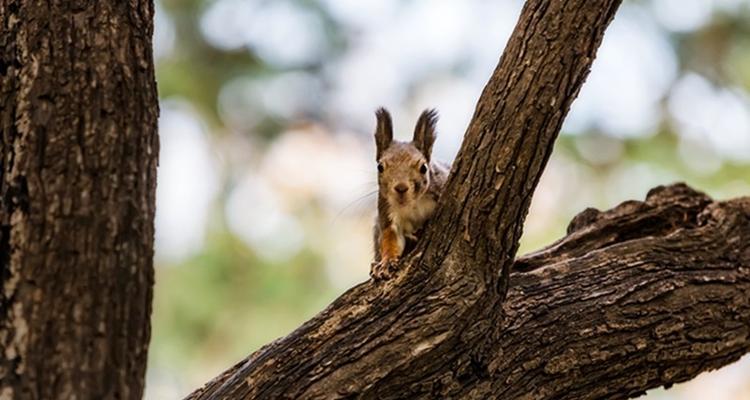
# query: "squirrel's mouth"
[[402, 200]]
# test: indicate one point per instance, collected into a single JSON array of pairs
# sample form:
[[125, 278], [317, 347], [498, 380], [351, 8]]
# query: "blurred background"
[[266, 189]]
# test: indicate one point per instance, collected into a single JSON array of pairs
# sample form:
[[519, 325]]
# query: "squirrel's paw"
[[382, 270]]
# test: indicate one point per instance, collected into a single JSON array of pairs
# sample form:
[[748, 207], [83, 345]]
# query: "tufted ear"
[[424, 132], [383, 131]]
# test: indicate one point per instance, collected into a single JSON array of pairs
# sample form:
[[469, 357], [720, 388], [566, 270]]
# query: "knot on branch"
[[677, 193], [584, 218], [677, 202], [737, 210]]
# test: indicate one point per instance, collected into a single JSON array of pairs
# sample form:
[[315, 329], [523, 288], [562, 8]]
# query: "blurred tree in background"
[[265, 199]]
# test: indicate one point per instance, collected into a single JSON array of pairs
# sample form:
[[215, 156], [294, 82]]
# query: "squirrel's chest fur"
[[410, 219]]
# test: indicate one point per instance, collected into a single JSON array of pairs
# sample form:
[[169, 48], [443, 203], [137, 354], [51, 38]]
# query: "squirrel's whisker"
[[351, 204]]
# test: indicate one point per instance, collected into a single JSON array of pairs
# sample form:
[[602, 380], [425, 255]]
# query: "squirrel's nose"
[[401, 188]]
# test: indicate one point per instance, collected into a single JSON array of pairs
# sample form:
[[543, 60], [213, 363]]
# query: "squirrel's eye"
[[423, 169], [380, 167]]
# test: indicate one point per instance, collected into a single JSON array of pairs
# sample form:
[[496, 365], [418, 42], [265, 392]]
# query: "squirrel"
[[409, 186]]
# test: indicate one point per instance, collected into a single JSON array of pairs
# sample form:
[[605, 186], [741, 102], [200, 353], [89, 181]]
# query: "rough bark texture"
[[644, 295], [78, 111], [433, 327], [647, 294]]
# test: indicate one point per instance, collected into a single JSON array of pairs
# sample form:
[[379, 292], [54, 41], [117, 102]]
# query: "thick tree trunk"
[[78, 111]]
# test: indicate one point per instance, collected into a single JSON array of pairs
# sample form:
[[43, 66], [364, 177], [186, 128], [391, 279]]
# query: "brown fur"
[[409, 184]]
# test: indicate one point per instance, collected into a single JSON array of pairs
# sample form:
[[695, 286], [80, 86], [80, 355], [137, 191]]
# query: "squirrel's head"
[[404, 167]]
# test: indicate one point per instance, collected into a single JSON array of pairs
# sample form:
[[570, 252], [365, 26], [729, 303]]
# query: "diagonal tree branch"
[[451, 287], [512, 132], [647, 294]]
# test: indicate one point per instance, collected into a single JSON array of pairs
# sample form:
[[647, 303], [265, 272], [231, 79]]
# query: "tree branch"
[[512, 133], [450, 288], [645, 295]]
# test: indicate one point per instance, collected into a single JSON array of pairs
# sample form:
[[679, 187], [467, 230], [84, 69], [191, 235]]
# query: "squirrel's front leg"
[[391, 246]]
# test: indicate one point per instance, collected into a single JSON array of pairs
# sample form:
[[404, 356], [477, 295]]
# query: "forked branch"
[[644, 295]]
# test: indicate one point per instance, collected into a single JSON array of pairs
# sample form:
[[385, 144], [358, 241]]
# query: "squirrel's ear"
[[424, 133], [383, 131]]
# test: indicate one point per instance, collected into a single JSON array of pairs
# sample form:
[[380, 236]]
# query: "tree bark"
[[647, 294], [78, 119]]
